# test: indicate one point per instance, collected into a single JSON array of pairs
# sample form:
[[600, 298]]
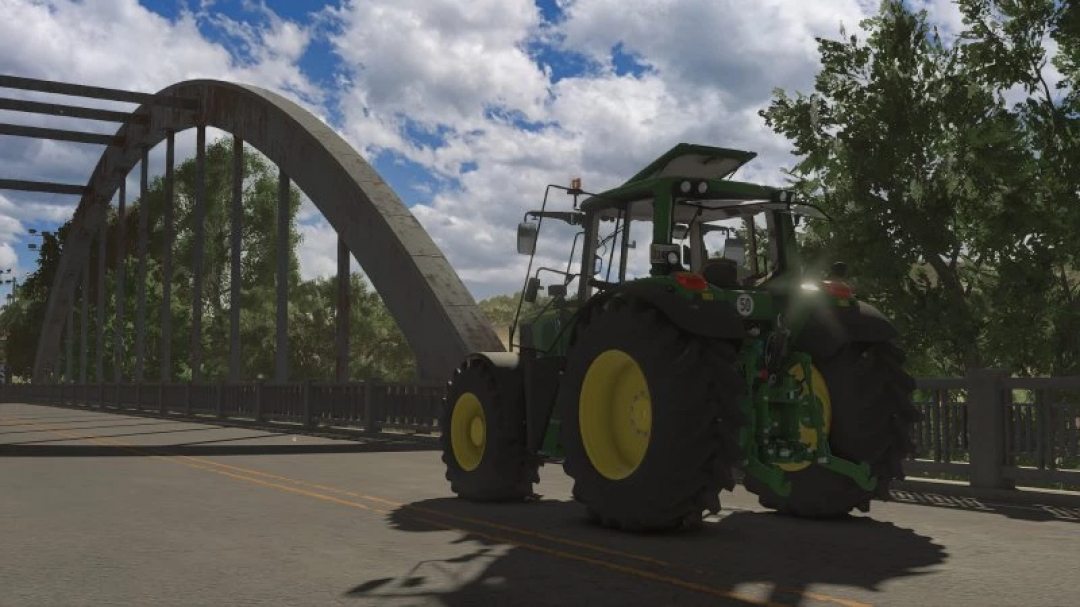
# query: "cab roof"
[[695, 162], [723, 200]]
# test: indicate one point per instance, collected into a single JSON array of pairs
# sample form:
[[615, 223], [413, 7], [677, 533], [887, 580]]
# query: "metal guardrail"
[[986, 428]]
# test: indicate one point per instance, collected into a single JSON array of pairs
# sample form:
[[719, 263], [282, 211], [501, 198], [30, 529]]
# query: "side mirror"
[[686, 255], [531, 289], [679, 231], [526, 238], [735, 250], [598, 265]]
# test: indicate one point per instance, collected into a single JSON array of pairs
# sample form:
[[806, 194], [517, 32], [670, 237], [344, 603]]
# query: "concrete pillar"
[[166, 265], [140, 315], [99, 377], [343, 311], [118, 327], [235, 244], [281, 367], [199, 228], [986, 427], [84, 322]]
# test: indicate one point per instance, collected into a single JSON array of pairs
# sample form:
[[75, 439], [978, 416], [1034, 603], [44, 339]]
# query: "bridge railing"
[[999, 432], [369, 406], [988, 429]]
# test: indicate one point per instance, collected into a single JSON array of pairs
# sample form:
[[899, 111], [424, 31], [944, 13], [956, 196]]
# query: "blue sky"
[[468, 108]]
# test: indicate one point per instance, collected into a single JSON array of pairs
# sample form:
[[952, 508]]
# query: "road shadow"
[[73, 429], [545, 553], [16, 421], [58, 439], [204, 449], [1063, 509]]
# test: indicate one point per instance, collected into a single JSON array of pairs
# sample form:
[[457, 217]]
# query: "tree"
[[377, 345], [1004, 50], [935, 187], [22, 318]]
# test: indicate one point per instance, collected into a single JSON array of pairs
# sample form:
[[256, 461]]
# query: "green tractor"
[[657, 390]]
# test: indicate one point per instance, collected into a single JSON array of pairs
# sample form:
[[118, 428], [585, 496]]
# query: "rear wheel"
[[649, 419], [869, 397], [483, 438]]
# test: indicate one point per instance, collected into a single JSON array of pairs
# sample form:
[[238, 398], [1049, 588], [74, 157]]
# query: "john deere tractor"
[[657, 389]]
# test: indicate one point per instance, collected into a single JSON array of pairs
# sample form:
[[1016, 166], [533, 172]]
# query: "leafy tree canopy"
[[954, 203]]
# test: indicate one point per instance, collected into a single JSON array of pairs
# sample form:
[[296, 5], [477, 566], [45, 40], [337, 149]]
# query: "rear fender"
[[716, 319], [828, 329]]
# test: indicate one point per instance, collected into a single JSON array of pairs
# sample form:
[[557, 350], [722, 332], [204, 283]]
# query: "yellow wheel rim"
[[615, 414], [808, 435], [468, 431]]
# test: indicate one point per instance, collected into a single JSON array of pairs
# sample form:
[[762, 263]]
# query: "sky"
[[468, 108]]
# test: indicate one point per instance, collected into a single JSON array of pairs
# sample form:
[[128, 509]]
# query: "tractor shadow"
[[547, 553]]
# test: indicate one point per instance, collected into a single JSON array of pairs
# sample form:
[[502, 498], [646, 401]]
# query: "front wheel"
[[869, 397], [649, 419], [483, 439]]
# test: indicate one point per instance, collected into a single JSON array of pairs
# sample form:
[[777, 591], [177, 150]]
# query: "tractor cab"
[[697, 219], [698, 222]]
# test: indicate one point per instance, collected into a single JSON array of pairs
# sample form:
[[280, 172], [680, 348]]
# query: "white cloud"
[[440, 61], [740, 49], [8, 259], [945, 14], [318, 256]]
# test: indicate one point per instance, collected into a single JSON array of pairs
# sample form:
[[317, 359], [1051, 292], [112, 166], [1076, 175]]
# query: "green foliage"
[[500, 310], [953, 209]]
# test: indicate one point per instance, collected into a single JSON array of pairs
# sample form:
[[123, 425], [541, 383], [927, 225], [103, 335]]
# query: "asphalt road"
[[103, 509]]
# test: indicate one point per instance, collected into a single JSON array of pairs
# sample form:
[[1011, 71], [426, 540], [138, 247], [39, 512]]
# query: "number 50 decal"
[[745, 304]]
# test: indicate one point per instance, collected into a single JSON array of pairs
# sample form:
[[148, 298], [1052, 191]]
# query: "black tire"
[[692, 447], [506, 471], [872, 416]]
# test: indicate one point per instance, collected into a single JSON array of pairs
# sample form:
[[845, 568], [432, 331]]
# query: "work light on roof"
[[685, 187], [702, 188]]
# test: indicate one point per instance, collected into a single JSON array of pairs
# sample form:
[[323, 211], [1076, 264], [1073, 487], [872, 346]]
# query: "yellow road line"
[[219, 468]]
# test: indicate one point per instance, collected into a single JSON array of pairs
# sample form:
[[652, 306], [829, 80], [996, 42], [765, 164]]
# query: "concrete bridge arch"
[[436, 313]]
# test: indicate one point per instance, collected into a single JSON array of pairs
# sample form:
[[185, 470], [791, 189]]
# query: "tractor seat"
[[721, 272]]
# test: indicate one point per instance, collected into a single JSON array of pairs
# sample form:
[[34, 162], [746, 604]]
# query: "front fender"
[[505, 368], [498, 361], [527, 386]]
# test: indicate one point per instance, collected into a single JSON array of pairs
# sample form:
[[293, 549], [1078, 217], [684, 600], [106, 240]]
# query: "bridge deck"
[[103, 509]]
